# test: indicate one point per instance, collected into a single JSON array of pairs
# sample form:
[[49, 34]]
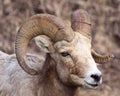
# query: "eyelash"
[[64, 54]]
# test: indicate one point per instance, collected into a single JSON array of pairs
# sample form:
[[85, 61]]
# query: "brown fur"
[[15, 82]]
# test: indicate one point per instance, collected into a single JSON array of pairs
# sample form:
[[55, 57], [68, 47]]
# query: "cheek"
[[69, 63], [81, 66], [79, 69], [64, 66], [62, 72], [74, 67]]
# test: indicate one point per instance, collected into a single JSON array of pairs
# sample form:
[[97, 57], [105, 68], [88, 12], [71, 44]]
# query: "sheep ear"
[[44, 43]]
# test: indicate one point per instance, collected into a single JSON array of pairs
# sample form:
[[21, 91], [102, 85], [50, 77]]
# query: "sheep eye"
[[64, 54]]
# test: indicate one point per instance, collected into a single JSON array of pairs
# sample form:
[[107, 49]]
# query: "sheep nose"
[[96, 77]]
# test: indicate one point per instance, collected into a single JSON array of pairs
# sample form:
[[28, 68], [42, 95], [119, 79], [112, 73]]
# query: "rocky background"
[[105, 16]]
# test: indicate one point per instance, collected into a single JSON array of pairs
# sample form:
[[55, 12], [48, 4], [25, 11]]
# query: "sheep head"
[[69, 46]]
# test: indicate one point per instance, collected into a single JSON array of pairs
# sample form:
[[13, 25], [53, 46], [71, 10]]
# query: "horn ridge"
[[101, 58], [41, 24], [81, 22]]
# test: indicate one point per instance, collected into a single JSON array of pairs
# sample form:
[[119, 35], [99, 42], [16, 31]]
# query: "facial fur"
[[74, 62], [74, 58]]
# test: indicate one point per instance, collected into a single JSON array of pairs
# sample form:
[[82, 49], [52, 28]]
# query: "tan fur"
[[65, 65], [53, 78], [15, 82]]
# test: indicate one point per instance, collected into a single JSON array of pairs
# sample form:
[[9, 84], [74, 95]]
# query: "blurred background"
[[105, 16]]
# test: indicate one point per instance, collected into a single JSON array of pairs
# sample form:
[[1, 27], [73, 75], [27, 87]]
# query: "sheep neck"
[[51, 85]]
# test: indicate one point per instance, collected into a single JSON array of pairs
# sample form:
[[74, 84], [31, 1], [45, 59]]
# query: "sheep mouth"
[[91, 85]]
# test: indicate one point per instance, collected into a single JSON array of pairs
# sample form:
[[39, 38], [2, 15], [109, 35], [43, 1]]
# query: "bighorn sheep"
[[68, 62]]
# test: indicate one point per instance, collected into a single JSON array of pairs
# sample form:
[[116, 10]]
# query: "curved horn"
[[101, 59], [81, 22], [42, 24]]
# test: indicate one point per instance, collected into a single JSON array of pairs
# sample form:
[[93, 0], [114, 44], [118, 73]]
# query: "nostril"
[[96, 77]]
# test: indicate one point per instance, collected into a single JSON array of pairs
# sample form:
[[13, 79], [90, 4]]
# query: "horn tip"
[[112, 56]]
